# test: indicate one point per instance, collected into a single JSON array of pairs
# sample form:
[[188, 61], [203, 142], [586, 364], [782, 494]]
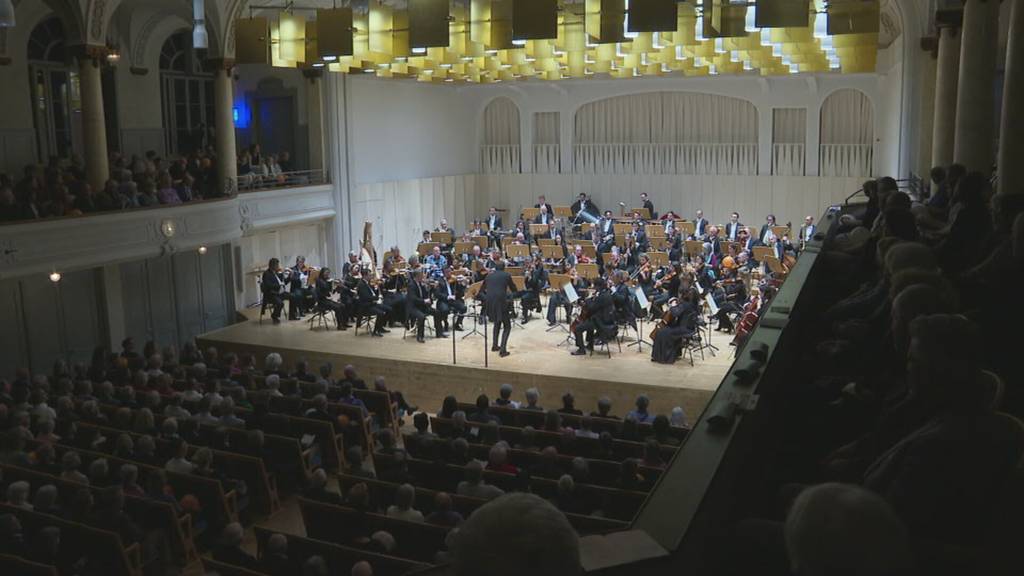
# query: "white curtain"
[[547, 154], [847, 134], [500, 150], [789, 140], [666, 133]]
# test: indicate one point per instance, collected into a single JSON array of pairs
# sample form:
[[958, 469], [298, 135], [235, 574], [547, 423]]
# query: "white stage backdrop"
[[401, 210]]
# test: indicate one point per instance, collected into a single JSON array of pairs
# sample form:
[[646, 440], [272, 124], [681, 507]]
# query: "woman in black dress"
[[669, 339]]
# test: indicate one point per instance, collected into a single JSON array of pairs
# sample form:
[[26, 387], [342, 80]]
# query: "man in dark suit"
[[323, 290], [298, 280], [368, 301], [272, 286], [589, 210], [543, 217], [807, 232], [497, 286], [542, 201], [646, 203], [732, 229], [418, 305], [348, 267], [493, 225], [699, 225], [450, 297], [601, 317], [767, 235]]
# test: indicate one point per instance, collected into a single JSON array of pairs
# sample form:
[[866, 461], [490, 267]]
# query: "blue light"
[[241, 115]]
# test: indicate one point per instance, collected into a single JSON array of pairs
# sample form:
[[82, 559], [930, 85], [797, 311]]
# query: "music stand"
[[658, 259], [520, 283], [463, 248], [481, 241], [552, 252], [780, 231], [686, 228], [538, 230], [694, 247], [655, 231], [774, 265], [763, 252], [588, 271], [712, 307], [530, 213], [644, 213], [572, 297], [556, 282], [471, 293], [517, 251], [515, 272], [564, 212], [645, 305], [622, 228], [590, 251], [545, 242], [730, 248], [658, 242], [425, 248], [444, 238]]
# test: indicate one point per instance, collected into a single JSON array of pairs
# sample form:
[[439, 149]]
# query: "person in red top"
[[497, 460]]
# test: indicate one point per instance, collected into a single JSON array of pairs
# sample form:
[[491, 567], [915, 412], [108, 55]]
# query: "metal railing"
[[254, 182]]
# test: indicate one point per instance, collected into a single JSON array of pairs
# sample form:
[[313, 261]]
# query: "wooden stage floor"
[[425, 373]]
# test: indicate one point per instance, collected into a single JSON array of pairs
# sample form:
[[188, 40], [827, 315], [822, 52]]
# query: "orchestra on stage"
[[603, 277]]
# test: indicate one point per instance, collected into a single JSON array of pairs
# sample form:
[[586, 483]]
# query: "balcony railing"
[[251, 182]]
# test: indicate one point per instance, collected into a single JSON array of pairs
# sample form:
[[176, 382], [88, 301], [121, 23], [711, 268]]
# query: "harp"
[[368, 254]]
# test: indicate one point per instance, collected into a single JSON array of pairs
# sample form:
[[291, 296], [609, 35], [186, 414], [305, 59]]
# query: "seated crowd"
[[60, 188], [906, 419], [172, 453]]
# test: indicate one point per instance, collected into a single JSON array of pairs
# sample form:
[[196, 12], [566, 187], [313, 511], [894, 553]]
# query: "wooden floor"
[[426, 373]]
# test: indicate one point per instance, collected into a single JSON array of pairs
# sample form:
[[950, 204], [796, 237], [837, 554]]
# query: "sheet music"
[[700, 289], [570, 292], [641, 298], [712, 305]]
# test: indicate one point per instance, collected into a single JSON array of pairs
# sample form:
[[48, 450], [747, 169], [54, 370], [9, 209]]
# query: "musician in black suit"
[[298, 285], [600, 318], [450, 295], [587, 207], [272, 286], [625, 304], [349, 267], [393, 291], [497, 286], [493, 225], [542, 201], [322, 292], [418, 305], [368, 302], [544, 217], [732, 229], [767, 236], [806, 232], [699, 225], [535, 282], [606, 234], [646, 203]]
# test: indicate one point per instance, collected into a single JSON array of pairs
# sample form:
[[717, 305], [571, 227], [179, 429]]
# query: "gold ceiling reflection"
[[484, 41]]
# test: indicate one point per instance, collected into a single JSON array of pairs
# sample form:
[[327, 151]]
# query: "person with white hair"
[[403, 509], [677, 418], [474, 484], [843, 530], [275, 560], [229, 550], [273, 384], [532, 397], [17, 495], [362, 568], [516, 534], [504, 398], [272, 364]]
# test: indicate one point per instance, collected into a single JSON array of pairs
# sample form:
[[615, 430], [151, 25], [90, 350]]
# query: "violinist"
[[535, 282], [435, 264], [640, 236], [349, 267], [468, 258], [419, 305], [559, 298], [298, 285], [558, 262], [322, 290], [477, 229], [677, 324], [274, 293], [520, 240], [625, 304], [730, 293], [368, 301], [644, 275], [393, 292], [666, 286], [523, 229], [597, 319], [450, 295]]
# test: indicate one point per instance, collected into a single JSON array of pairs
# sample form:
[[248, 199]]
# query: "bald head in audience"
[[362, 568], [535, 539]]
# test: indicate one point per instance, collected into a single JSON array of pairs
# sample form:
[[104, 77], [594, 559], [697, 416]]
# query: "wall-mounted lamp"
[[7, 14], [55, 276], [203, 250], [200, 39]]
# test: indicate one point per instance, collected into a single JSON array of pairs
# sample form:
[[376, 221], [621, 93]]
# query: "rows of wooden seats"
[[219, 506], [340, 559], [212, 566], [105, 553], [382, 494], [285, 452], [617, 504], [17, 565], [342, 525], [377, 403], [262, 486], [582, 446], [159, 515], [602, 472], [293, 406], [521, 417]]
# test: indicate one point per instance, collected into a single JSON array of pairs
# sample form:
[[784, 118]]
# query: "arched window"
[[187, 91], [56, 96], [847, 134], [500, 150], [666, 133]]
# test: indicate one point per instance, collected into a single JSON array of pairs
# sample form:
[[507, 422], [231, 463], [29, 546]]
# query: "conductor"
[[497, 286]]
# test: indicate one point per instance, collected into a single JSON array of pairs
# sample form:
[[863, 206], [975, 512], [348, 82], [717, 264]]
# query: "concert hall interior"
[[507, 287]]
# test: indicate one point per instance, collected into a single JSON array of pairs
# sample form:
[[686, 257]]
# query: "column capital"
[[89, 52]]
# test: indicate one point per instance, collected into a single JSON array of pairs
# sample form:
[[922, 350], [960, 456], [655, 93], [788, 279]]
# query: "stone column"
[[1011, 134], [314, 108], [224, 101], [94, 126], [947, 74], [975, 107]]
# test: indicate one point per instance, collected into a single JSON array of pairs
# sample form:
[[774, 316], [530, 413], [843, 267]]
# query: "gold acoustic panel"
[[782, 14], [606, 20], [653, 15], [292, 43], [252, 41], [428, 23], [853, 17], [724, 20], [334, 32], [534, 19]]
